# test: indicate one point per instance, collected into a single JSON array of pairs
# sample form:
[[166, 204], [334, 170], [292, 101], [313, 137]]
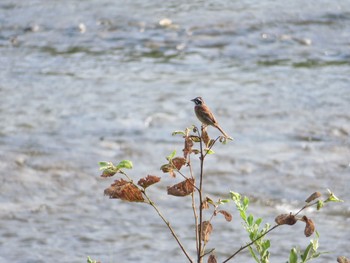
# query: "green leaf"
[[171, 156], [243, 215], [250, 220], [258, 221], [105, 165], [266, 244], [293, 256], [305, 255], [332, 197], [245, 202], [253, 254], [209, 151], [89, 260], [320, 204], [178, 132], [314, 242], [223, 201], [125, 164], [235, 196]]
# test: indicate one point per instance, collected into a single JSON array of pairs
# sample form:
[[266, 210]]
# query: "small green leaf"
[[320, 204], [89, 260], [250, 220], [305, 255], [223, 201], [258, 221], [105, 165], [293, 256], [253, 254], [125, 164], [332, 197], [314, 243], [266, 244], [235, 196], [171, 156], [243, 215], [245, 202], [209, 151], [178, 132]]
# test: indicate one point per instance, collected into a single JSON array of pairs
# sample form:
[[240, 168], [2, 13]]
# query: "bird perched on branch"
[[205, 115]]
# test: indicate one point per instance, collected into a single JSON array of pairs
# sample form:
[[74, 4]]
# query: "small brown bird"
[[205, 115]]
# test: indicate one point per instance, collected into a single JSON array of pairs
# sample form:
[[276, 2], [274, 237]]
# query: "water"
[[85, 81]]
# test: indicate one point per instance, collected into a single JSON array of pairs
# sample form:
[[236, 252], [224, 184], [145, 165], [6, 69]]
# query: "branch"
[[249, 244], [200, 230], [169, 226]]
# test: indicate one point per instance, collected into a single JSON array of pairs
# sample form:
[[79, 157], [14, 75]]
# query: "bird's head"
[[198, 101]]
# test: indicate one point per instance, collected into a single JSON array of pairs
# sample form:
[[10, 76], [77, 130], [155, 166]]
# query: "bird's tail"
[[222, 131]]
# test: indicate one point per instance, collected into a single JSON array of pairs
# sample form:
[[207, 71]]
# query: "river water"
[[89, 81]]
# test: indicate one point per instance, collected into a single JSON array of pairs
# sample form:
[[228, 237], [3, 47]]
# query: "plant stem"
[[169, 226], [200, 230], [249, 244]]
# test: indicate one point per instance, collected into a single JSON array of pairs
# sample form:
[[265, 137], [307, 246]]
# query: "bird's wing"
[[210, 117]]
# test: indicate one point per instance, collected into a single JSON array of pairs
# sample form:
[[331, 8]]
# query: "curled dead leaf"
[[168, 168], [206, 231], [108, 173], [124, 190], [178, 162], [188, 146], [205, 137], [195, 138], [205, 204], [226, 214], [148, 180], [286, 219], [343, 259], [312, 197], [310, 226], [182, 189], [212, 259]]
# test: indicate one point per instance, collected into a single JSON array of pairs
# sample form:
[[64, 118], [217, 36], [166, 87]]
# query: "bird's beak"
[[192, 100]]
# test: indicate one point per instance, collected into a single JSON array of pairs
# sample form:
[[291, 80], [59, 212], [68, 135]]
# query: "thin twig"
[[211, 146], [200, 230], [169, 226], [195, 220], [208, 252], [249, 244], [194, 204], [306, 206]]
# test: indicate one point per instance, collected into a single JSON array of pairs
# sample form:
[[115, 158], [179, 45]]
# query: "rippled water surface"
[[85, 81]]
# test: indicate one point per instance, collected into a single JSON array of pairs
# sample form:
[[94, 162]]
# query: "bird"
[[205, 115]]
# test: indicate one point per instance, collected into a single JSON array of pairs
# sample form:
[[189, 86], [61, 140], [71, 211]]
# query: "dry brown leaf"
[[285, 219], [188, 146], [148, 180], [226, 214], [212, 259], [182, 189], [195, 138], [108, 173], [312, 197], [124, 190], [168, 168], [310, 226], [205, 204], [178, 162], [343, 259], [205, 137], [206, 231]]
